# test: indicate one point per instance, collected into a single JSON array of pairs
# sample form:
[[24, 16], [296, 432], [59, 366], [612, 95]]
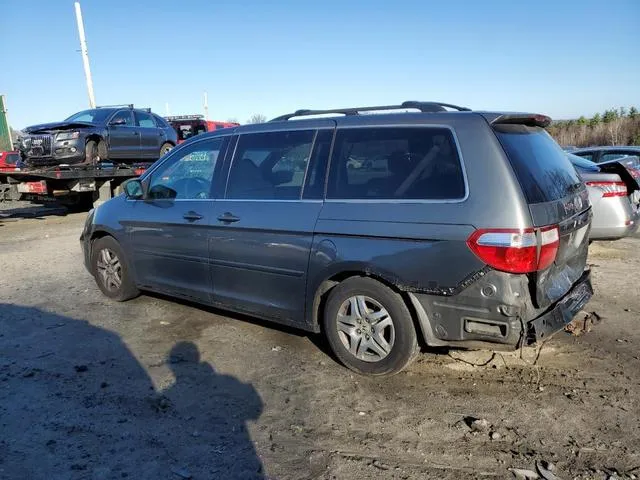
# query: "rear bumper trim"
[[562, 312]]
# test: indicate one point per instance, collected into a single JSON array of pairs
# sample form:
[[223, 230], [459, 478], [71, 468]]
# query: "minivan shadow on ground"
[[76, 403]]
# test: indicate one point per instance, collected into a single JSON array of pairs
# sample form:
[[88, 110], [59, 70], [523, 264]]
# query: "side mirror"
[[162, 192], [133, 189], [117, 121]]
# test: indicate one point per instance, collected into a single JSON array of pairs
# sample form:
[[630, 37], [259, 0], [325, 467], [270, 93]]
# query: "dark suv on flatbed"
[[462, 228], [117, 134]]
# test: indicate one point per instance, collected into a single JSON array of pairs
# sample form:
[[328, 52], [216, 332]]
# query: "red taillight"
[[514, 250], [610, 189]]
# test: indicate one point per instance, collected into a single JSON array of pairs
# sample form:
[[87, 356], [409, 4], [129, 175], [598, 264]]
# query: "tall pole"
[[206, 106], [85, 56]]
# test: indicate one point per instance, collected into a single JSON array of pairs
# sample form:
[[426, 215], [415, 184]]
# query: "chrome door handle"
[[228, 217], [192, 216]]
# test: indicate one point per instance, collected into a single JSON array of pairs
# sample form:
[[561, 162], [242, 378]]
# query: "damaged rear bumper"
[[469, 320], [562, 312]]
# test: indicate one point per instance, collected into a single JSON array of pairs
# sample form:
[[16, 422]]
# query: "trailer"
[[73, 186]]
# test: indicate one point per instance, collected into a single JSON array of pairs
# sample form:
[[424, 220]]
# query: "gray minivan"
[[421, 223]]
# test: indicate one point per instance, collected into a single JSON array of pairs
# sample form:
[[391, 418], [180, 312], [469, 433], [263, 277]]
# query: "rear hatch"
[[556, 197]]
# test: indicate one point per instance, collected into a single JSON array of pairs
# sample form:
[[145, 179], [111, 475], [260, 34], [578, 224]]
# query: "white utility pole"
[[85, 56], [206, 106]]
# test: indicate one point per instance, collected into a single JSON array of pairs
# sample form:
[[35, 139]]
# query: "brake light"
[[610, 189], [515, 250]]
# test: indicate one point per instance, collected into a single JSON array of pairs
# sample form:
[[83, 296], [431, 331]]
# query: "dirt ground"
[[155, 389]]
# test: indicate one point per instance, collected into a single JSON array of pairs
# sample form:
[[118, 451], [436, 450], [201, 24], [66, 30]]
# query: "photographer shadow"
[[76, 403]]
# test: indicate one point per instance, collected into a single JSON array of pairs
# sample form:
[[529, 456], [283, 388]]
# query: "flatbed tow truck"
[[74, 186]]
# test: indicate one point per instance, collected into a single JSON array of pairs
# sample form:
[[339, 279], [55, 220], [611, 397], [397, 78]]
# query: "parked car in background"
[[116, 133], [628, 156], [614, 195], [465, 228], [187, 126]]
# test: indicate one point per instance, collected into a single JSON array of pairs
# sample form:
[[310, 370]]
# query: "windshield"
[[90, 116]]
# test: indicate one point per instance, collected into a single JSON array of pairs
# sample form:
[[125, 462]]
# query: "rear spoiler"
[[531, 120]]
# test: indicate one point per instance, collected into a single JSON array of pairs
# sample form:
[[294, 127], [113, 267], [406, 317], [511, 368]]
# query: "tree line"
[[616, 126]]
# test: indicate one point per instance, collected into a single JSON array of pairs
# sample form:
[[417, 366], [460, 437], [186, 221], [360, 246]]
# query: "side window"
[[270, 165], [395, 163], [188, 173], [161, 121], [606, 157], [122, 118], [585, 155], [316, 173], [145, 120]]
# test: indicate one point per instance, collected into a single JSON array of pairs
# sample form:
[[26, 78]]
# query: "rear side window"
[[396, 163], [12, 158], [145, 120], [543, 169], [161, 122], [270, 165], [607, 157]]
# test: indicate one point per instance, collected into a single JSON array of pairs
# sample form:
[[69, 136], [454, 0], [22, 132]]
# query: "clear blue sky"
[[562, 57]]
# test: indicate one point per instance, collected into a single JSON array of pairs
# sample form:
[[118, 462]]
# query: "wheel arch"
[[339, 274], [103, 232], [96, 137]]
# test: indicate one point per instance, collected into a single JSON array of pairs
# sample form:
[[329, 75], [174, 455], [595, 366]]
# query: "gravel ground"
[[157, 389]]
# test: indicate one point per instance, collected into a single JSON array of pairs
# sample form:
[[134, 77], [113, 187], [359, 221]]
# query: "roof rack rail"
[[424, 107], [128, 105]]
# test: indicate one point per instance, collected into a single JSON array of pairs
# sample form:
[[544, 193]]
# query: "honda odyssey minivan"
[[453, 228]]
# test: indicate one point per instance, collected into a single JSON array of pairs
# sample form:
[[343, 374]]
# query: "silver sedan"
[[614, 195]]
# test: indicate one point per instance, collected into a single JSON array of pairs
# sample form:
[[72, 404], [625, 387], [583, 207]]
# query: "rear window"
[[542, 167], [392, 163]]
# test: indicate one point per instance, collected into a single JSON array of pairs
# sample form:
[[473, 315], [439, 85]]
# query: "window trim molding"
[[462, 199]]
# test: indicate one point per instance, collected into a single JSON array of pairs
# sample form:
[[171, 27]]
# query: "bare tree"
[[257, 118], [613, 128]]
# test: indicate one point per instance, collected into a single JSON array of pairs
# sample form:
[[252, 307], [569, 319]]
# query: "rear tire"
[[165, 148], [110, 270], [369, 327]]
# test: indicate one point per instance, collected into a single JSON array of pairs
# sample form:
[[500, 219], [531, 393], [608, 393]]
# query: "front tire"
[[110, 270], [91, 152], [369, 327]]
